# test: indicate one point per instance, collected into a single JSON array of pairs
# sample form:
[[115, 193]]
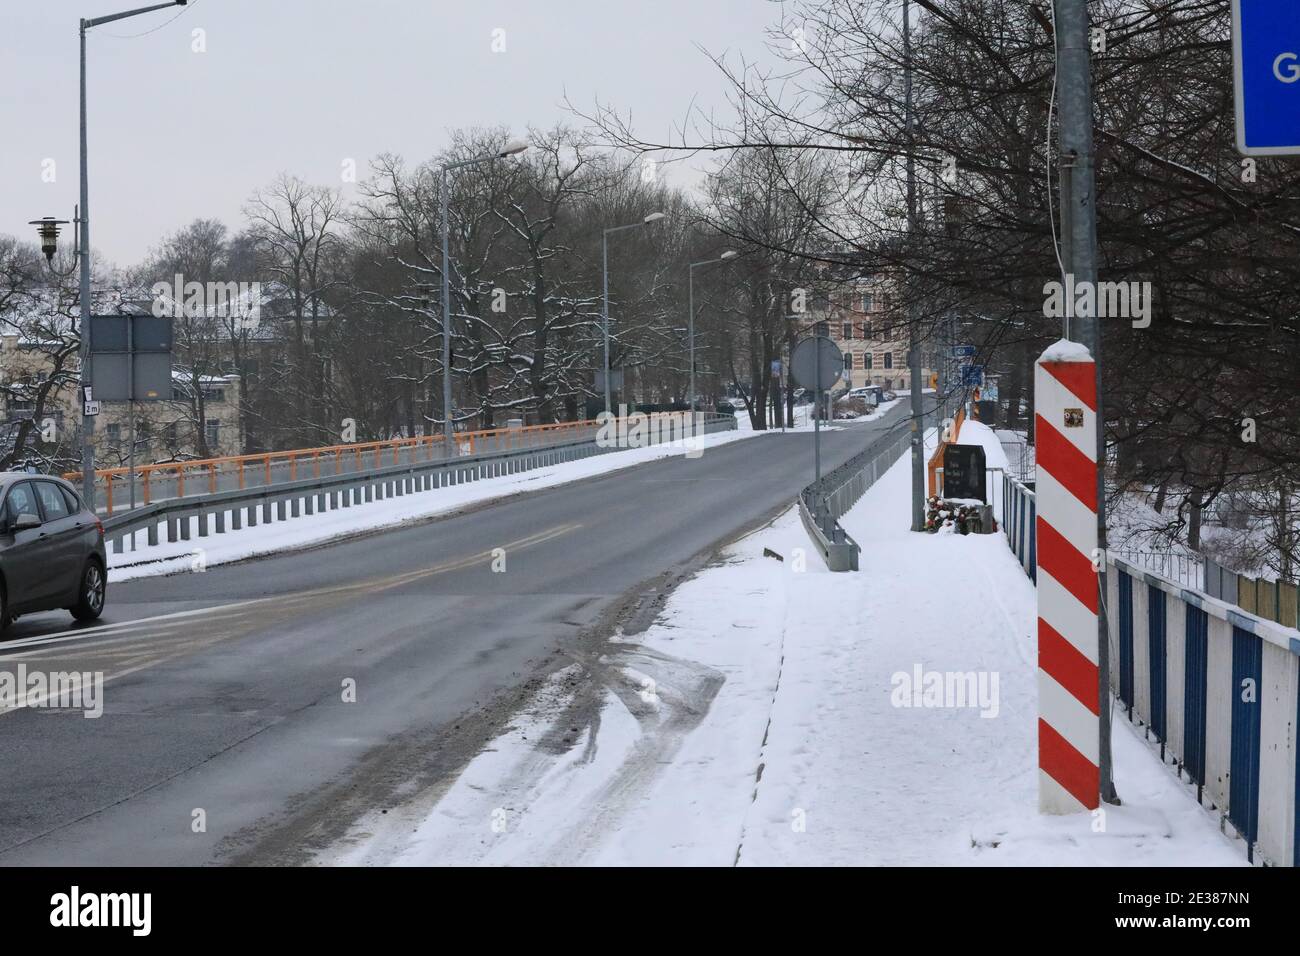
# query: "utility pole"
[[448, 427], [85, 308], [1074, 86], [914, 338]]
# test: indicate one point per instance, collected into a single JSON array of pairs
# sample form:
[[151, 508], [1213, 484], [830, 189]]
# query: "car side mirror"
[[25, 523]]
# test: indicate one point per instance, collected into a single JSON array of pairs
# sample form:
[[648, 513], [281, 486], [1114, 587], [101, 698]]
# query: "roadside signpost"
[[1266, 76], [133, 363], [963, 351], [1071, 698], [972, 375], [816, 363]]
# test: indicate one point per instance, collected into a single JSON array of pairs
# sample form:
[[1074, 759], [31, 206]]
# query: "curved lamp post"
[[604, 308], [48, 228], [690, 283]]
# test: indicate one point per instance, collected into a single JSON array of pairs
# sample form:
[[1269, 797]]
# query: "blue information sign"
[[972, 375], [1266, 73]]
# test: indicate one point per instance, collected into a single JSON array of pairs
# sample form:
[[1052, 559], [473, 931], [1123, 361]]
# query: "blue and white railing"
[[1213, 685], [1019, 511], [1216, 687]]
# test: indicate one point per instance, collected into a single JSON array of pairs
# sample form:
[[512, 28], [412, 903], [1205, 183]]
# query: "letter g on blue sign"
[[1266, 74]]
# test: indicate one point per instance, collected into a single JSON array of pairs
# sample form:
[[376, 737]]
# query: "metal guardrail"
[[179, 479], [181, 519], [841, 489], [1187, 569]]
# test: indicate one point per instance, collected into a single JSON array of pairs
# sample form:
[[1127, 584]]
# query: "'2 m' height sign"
[[1266, 66]]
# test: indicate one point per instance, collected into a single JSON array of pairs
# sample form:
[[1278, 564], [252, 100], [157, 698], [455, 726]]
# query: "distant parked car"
[[868, 393], [51, 549], [890, 396], [729, 408]]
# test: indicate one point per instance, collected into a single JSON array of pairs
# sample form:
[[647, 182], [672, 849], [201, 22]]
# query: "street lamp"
[[48, 229], [604, 309], [512, 148], [690, 284]]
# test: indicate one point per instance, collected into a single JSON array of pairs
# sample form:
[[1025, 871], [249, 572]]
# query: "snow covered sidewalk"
[[781, 714]]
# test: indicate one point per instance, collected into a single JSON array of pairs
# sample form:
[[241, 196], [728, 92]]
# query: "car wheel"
[[90, 595]]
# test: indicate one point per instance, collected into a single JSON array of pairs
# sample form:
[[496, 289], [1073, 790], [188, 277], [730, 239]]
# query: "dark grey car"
[[51, 549]]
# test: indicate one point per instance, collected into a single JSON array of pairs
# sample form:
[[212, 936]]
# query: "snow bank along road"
[[225, 734]]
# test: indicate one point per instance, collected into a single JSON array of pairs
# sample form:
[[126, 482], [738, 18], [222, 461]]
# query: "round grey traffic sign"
[[817, 363]]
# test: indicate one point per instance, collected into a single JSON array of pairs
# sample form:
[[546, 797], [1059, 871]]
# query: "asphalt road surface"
[[226, 736]]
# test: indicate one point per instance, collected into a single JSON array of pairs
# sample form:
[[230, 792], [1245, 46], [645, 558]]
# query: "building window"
[[213, 432], [848, 361], [848, 331], [889, 360], [114, 432], [170, 433], [868, 302], [867, 362], [865, 330], [821, 329]]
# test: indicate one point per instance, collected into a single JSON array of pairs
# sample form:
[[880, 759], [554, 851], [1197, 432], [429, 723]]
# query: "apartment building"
[[862, 317]]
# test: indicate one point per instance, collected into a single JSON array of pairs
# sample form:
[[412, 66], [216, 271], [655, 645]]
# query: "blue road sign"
[[963, 351], [972, 375], [1266, 76]]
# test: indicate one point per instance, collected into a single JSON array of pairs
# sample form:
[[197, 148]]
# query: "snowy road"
[[773, 716], [254, 711]]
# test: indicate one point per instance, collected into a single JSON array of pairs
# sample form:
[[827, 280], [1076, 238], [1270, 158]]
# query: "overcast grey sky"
[[300, 85]]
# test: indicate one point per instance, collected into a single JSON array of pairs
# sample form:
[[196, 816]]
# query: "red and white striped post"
[[1065, 415]]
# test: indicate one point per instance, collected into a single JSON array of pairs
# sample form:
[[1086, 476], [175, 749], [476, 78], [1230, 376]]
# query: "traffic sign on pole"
[[1266, 76], [963, 351], [817, 363]]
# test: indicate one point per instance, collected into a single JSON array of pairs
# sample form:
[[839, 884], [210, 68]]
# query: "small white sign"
[[92, 408]]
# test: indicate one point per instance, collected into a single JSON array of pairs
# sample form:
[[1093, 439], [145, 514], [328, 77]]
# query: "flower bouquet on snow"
[[948, 515]]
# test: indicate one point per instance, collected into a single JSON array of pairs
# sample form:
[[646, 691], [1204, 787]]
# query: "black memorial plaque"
[[963, 472]]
